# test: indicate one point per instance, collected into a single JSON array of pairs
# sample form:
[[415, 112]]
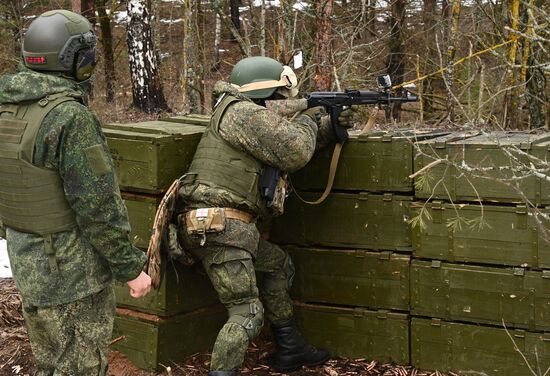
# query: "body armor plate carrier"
[[32, 199], [220, 165]]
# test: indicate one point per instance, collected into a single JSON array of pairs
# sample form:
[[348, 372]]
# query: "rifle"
[[334, 103]]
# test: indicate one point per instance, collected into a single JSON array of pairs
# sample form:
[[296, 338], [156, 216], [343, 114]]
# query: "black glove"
[[345, 120]]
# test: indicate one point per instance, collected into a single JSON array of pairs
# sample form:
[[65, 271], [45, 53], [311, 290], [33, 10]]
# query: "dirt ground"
[[16, 356]]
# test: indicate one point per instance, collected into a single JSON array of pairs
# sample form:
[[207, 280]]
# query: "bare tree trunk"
[[451, 51], [235, 17], [511, 111], [76, 6], [396, 58], [371, 24], [323, 46], [262, 29], [536, 95], [192, 75], [108, 55], [88, 9], [430, 56], [146, 83], [217, 42]]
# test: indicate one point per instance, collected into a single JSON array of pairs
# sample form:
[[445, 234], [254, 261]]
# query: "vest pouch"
[[201, 221], [276, 205]]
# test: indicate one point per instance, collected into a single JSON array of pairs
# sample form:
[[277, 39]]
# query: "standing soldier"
[[236, 179], [61, 211]]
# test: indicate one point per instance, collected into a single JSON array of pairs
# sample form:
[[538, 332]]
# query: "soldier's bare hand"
[[140, 286]]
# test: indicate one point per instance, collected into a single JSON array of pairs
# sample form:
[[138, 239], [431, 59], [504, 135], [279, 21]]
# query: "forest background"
[[474, 63]]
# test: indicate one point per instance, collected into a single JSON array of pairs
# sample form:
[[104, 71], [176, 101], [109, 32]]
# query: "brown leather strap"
[[237, 214], [331, 175]]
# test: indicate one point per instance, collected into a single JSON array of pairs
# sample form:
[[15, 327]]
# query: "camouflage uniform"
[[70, 315], [231, 257]]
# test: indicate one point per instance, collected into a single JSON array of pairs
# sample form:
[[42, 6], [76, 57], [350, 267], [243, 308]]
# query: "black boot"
[[293, 351], [222, 373]]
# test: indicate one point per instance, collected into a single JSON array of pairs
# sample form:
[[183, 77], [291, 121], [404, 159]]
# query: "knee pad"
[[248, 315]]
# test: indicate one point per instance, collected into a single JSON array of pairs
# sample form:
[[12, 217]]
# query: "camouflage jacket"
[[269, 137], [99, 248]]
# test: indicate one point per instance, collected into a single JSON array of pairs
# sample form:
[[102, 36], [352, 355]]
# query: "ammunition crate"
[[363, 220], [149, 341], [476, 349], [182, 289], [351, 277], [503, 235], [481, 294], [493, 167], [141, 213], [355, 332], [375, 162], [195, 119], [149, 156]]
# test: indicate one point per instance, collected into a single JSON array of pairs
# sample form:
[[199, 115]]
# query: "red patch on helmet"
[[35, 60]]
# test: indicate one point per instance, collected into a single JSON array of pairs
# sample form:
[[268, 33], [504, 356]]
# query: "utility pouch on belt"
[[205, 220]]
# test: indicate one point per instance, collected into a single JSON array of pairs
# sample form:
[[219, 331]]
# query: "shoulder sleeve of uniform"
[[270, 138], [91, 188]]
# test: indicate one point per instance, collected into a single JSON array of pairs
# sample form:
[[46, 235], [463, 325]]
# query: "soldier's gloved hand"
[[140, 286], [345, 120], [314, 112]]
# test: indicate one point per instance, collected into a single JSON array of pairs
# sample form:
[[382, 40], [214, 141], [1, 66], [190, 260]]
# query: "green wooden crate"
[[476, 349], [504, 235], [362, 220], [493, 167], [481, 294], [195, 119], [356, 332], [375, 162], [149, 156], [182, 289], [141, 213], [151, 341], [351, 277]]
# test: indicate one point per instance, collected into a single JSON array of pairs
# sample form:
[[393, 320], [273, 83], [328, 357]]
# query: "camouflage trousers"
[[232, 271], [72, 339]]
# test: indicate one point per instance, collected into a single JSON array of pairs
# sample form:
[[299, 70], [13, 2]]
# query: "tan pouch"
[[205, 220], [276, 205]]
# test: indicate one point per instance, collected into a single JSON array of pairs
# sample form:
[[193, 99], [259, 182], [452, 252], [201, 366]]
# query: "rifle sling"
[[331, 175]]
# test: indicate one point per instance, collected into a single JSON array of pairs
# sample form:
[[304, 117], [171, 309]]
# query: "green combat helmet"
[[258, 77], [61, 41]]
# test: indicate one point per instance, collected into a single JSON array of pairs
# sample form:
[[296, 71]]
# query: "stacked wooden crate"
[[181, 317], [480, 294], [352, 252], [472, 295]]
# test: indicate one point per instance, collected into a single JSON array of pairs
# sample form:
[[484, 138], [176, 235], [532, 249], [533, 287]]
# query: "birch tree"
[[146, 83]]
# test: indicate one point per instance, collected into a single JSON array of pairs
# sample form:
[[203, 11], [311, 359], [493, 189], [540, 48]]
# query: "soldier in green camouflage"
[[235, 182], [61, 212]]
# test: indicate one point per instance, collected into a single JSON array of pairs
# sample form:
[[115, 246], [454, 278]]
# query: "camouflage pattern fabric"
[[231, 258], [267, 136], [72, 339], [70, 141]]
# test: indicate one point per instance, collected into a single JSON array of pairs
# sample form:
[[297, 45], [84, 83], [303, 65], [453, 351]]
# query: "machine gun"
[[335, 102]]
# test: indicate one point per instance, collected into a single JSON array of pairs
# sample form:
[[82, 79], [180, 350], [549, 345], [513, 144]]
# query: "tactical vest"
[[32, 199], [219, 165]]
